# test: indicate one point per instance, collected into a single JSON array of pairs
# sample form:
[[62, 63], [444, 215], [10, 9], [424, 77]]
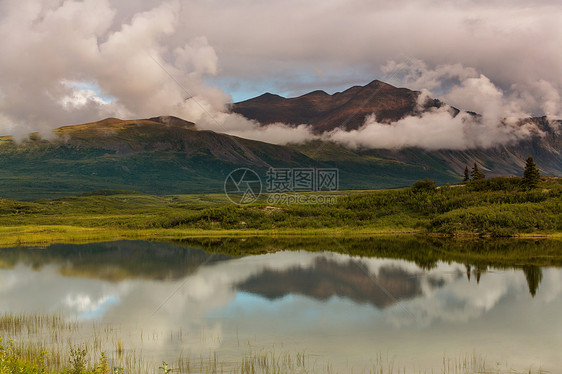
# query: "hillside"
[[157, 155], [165, 155]]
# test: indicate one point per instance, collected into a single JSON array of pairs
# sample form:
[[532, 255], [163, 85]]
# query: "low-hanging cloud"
[[499, 119], [433, 130]]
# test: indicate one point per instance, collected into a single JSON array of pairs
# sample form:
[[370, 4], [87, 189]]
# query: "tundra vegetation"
[[491, 207]]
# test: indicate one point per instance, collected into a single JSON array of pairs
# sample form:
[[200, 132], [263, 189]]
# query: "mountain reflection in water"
[[406, 297]]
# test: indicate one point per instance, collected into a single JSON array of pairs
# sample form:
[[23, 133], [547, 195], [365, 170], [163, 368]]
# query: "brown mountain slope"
[[172, 134], [325, 112]]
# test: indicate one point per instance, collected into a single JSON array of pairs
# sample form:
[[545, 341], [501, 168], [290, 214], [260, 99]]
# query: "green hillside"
[[166, 155]]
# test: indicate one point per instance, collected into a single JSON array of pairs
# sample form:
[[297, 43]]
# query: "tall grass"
[[46, 344]]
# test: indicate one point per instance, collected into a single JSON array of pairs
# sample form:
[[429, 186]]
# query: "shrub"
[[424, 185], [496, 184]]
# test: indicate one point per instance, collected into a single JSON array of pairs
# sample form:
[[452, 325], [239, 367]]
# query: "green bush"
[[496, 184], [424, 185]]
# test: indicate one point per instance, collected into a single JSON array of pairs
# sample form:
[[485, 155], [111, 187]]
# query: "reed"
[[49, 344]]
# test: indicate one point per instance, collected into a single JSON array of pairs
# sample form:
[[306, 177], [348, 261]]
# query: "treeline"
[[530, 180]]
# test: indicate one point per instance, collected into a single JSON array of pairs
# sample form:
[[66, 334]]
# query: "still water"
[[165, 299]]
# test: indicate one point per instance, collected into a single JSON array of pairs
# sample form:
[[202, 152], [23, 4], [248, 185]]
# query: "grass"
[[495, 207], [43, 235], [47, 345]]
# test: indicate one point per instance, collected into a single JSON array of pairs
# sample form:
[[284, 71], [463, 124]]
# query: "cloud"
[[434, 130], [498, 122], [276, 133], [67, 62], [153, 58], [283, 41]]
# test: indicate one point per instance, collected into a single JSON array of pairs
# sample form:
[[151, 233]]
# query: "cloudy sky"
[[69, 61]]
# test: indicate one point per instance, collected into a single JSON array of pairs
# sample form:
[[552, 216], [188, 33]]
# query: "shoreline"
[[43, 235]]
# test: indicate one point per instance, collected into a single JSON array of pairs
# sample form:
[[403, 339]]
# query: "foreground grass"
[[22, 358], [495, 207]]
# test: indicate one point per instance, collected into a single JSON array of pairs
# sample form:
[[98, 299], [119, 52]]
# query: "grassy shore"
[[496, 207], [31, 235]]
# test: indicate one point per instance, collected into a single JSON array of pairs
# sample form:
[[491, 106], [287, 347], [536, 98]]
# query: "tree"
[[534, 277], [466, 175], [477, 174], [424, 185], [531, 175]]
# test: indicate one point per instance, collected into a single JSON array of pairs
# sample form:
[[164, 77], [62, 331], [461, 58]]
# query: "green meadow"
[[496, 207]]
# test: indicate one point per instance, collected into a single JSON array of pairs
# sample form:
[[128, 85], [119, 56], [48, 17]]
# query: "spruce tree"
[[531, 175], [476, 173], [466, 175]]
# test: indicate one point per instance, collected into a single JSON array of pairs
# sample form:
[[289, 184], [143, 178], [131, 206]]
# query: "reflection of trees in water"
[[173, 260], [533, 274], [534, 278], [114, 261], [478, 270]]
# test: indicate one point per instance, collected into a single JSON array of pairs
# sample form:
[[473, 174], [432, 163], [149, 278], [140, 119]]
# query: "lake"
[[345, 312]]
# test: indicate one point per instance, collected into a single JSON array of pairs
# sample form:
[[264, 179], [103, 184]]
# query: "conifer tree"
[[476, 173], [531, 175], [466, 175]]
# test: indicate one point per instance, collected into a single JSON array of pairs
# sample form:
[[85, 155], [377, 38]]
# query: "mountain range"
[[166, 155], [346, 109]]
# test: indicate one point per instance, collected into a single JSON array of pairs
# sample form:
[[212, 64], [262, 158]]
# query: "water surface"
[[164, 299]]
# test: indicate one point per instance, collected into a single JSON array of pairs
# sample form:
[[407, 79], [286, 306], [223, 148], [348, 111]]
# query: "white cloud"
[[462, 87], [461, 51]]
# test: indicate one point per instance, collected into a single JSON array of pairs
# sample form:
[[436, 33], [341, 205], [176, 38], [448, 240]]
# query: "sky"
[[68, 62]]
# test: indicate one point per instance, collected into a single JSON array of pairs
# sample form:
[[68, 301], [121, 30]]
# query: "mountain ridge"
[[347, 109]]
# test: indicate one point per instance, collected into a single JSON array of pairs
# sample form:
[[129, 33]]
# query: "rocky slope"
[[325, 112]]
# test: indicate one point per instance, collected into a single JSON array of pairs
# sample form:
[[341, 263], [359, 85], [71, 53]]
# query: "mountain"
[[325, 112], [158, 155], [348, 109], [167, 134], [501, 160], [167, 155]]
